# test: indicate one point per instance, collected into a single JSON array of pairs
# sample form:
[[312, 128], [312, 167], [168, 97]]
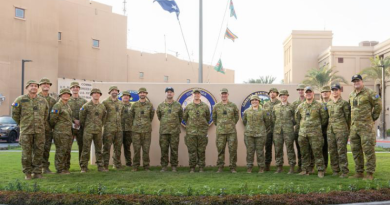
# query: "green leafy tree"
[[375, 71], [319, 77], [262, 80]]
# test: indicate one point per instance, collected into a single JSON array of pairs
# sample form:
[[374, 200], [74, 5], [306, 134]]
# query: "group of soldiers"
[[315, 127]]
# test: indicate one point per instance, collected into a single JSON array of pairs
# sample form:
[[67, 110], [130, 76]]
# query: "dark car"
[[9, 130]]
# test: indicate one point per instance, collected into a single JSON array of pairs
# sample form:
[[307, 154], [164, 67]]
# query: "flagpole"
[[200, 41]]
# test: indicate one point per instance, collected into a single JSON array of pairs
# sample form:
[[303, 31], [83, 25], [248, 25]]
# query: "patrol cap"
[[31, 82], [142, 90], [255, 97], [72, 84], [224, 90], [196, 90], [112, 88], [357, 76], [273, 90], [309, 88], [126, 93], [45, 80], [96, 90], [65, 91], [336, 86], [169, 89], [283, 92], [325, 88], [301, 87]]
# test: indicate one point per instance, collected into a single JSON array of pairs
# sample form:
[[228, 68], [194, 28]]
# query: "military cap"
[[301, 87], [112, 88], [196, 90], [169, 89], [336, 86], [74, 83], [126, 93], [65, 91], [224, 90], [283, 92], [273, 90], [45, 80], [356, 77], [325, 88], [309, 88], [96, 90], [31, 82], [142, 90], [255, 97]]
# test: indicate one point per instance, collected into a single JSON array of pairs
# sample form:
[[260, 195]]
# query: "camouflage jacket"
[[114, 115], [93, 117], [339, 116], [366, 106], [142, 114], [197, 117], [295, 105], [225, 117], [75, 104], [268, 107], [311, 117], [50, 101], [283, 117], [127, 120], [61, 118], [255, 122], [170, 116], [30, 114], [325, 105]]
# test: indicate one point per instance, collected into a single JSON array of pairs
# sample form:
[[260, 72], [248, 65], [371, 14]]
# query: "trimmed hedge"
[[41, 198]]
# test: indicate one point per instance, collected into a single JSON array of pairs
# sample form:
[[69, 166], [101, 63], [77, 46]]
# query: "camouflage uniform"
[[324, 128], [170, 116], [61, 120], [197, 117], [31, 115], [142, 114], [225, 118], [295, 105], [113, 133], [92, 118], [366, 107], [310, 118], [127, 122], [255, 134]]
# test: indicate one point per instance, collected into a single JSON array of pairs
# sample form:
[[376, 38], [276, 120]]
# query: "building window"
[[19, 13], [188, 81], [95, 43], [141, 75], [166, 78], [59, 36], [341, 60]]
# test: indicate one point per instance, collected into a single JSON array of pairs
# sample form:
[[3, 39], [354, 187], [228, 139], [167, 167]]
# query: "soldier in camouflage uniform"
[[325, 99], [170, 114], [366, 107], [142, 113], [61, 120], [45, 85], [92, 119], [255, 135], [268, 107], [75, 103], [283, 119], [311, 115], [113, 133], [196, 117], [225, 117], [31, 112], [338, 130], [127, 122]]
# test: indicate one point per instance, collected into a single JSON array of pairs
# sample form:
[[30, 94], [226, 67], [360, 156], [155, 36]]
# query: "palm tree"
[[319, 77], [375, 71], [269, 79]]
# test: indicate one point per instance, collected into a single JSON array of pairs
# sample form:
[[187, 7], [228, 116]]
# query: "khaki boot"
[[192, 170], [267, 167], [344, 176], [117, 167], [66, 172], [321, 174], [27, 177], [369, 176], [233, 170], [101, 169], [135, 169], [47, 171], [279, 169], [201, 170], [261, 170], [304, 173], [84, 170], [299, 170], [249, 170], [291, 171], [147, 169], [220, 169], [357, 175], [174, 169], [37, 176], [312, 170], [163, 169], [335, 174]]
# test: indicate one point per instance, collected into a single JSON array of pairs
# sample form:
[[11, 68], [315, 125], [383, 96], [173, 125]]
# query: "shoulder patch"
[[376, 96], [54, 111], [82, 108], [325, 108], [15, 104]]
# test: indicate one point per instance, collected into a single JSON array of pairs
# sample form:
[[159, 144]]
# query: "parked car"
[[9, 130]]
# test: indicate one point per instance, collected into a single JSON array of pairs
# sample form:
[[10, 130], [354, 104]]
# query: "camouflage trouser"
[[279, 140], [32, 152], [221, 141], [78, 134], [296, 136], [109, 139], [338, 151], [313, 142], [254, 144], [141, 140], [362, 139], [87, 141], [325, 152], [127, 140], [63, 144], [268, 148], [169, 141], [196, 145], [47, 146]]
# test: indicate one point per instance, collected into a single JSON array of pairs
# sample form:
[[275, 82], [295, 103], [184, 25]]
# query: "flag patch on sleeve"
[[82, 109], [54, 111], [15, 104]]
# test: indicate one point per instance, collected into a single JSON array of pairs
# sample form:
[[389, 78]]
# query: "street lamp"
[[382, 65], [23, 61]]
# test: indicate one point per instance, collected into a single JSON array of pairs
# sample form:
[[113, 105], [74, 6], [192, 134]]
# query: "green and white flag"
[[219, 67]]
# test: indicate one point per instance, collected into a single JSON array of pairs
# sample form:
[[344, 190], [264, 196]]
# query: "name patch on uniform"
[[25, 100], [325, 108], [15, 104], [54, 111]]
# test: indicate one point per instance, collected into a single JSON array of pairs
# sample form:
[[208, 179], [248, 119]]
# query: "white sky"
[[261, 27]]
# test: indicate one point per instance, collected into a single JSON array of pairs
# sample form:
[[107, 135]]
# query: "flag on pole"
[[170, 6], [232, 10], [230, 35], [219, 67]]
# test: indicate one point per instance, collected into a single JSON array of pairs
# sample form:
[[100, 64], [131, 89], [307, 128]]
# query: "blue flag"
[[170, 6]]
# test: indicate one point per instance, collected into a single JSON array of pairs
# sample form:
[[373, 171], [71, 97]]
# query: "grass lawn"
[[183, 183]]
